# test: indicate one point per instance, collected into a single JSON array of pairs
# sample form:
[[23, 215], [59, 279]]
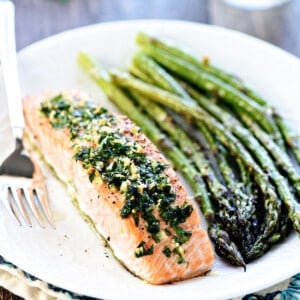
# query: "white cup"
[[265, 19]]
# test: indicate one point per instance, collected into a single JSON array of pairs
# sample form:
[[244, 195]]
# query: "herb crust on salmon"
[[124, 185]]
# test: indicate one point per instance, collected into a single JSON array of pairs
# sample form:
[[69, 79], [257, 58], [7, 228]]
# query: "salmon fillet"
[[152, 227]]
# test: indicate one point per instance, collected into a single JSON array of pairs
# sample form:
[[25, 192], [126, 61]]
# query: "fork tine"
[[18, 198], [40, 192], [42, 199], [7, 203], [28, 194]]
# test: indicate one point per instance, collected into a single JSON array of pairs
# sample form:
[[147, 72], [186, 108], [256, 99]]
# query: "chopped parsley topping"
[[141, 250], [110, 156], [167, 251]]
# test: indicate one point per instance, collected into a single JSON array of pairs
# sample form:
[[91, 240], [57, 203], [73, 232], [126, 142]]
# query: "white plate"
[[72, 257]]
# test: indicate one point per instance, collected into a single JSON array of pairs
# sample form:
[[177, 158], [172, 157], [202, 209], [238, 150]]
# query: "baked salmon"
[[123, 185]]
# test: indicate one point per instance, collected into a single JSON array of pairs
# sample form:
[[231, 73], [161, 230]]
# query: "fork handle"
[[8, 61]]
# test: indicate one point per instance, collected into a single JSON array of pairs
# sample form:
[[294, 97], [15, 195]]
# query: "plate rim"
[[91, 27]]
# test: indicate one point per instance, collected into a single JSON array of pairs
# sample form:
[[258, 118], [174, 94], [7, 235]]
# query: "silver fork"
[[22, 186]]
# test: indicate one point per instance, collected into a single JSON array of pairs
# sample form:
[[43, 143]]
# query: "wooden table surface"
[[37, 19]]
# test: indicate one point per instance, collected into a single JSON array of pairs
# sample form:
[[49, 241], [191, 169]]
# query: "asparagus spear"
[[255, 239], [291, 139], [280, 157], [135, 71], [244, 205], [181, 106], [159, 75], [185, 53], [224, 245], [211, 84]]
